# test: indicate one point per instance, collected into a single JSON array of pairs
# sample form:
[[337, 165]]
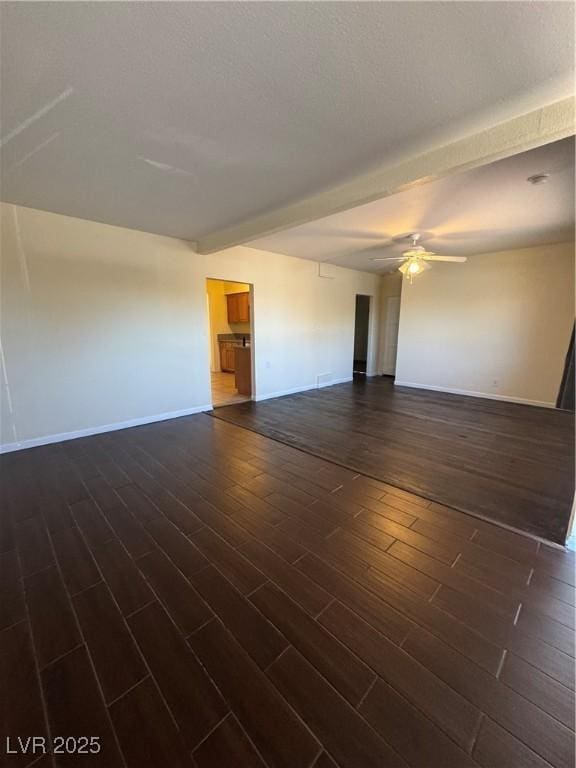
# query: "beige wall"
[[102, 326], [498, 325]]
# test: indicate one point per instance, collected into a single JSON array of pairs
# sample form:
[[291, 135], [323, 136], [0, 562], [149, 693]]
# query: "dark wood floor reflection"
[[506, 462], [196, 594]]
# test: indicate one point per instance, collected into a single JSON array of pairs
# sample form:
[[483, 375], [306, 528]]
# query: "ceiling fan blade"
[[434, 257], [390, 258]]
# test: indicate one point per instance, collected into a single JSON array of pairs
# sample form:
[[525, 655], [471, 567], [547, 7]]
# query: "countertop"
[[233, 336]]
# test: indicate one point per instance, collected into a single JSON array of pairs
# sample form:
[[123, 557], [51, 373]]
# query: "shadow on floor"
[[509, 463]]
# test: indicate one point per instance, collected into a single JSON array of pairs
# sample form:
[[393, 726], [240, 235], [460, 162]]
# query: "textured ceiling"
[[492, 208], [183, 118]]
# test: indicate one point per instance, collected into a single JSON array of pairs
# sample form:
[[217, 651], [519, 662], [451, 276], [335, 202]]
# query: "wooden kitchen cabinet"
[[238, 307], [243, 370], [227, 360]]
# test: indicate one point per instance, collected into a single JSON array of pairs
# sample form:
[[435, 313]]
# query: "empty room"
[[287, 384]]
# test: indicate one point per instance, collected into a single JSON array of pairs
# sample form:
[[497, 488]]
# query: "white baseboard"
[[34, 442], [336, 381], [296, 390], [282, 392], [47, 439], [469, 393]]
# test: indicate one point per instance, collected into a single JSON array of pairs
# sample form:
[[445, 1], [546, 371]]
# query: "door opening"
[[361, 332], [231, 341], [566, 398]]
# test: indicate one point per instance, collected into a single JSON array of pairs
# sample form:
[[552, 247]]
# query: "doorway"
[[361, 333], [566, 399], [231, 341]]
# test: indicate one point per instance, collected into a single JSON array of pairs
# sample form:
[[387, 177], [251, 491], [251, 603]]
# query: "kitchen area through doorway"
[[230, 317]]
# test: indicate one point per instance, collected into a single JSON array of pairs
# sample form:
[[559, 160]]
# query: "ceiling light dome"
[[414, 266]]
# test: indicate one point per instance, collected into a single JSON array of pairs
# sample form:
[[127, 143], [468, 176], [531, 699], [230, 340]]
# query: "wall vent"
[[323, 379], [327, 271]]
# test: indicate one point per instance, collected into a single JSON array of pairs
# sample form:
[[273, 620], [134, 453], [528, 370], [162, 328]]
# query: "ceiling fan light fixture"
[[412, 267], [415, 259], [417, 250]]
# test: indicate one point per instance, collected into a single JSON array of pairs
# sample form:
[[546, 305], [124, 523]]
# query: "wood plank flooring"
[[195, 594], [505, 462]]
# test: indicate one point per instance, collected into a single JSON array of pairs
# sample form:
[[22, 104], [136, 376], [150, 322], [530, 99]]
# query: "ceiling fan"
[[415, 259]]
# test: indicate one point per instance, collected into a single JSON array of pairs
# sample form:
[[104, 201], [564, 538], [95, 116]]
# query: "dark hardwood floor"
[[191, 593], [510, 463]]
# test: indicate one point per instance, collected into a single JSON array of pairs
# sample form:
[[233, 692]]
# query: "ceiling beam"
[[542, 126]]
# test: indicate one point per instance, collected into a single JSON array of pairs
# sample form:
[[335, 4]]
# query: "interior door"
[[391, 324]]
